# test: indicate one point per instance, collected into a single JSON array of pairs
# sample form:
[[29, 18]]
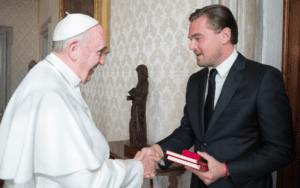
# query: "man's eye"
[[198, 39]]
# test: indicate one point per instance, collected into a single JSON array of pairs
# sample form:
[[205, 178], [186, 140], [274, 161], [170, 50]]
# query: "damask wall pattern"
[[154, 33]]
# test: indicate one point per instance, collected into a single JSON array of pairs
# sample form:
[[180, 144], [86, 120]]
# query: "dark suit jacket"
[[250, 129]]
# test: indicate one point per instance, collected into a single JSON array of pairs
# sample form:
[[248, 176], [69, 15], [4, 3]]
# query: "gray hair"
[[60, 46]]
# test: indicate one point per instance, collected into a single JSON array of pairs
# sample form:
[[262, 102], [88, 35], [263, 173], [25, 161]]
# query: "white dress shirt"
[[223, 70]]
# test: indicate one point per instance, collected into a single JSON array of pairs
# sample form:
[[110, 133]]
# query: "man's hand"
[[215, 171], [155, 149]]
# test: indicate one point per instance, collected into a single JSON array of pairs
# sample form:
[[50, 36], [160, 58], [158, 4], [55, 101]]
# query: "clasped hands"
[[150, 157]]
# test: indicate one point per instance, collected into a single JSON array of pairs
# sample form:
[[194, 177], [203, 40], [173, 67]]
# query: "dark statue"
[[138, 95]]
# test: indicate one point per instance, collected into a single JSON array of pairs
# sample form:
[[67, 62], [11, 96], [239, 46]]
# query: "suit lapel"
[[196, 103], [232, 81], [201, 96]]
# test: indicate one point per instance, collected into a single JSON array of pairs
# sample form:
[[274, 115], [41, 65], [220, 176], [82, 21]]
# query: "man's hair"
[[60, 46], [219, 17]]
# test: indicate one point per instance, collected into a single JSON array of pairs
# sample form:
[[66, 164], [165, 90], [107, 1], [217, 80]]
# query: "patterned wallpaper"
[[22, 15], [153, 33]]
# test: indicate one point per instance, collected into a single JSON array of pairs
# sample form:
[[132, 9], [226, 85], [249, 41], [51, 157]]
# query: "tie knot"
[[213, 73]]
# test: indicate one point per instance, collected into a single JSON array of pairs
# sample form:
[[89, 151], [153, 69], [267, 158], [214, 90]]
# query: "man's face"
[[205, 43], [93, 52]]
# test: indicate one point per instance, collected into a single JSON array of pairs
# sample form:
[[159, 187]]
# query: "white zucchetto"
[[72, 25]]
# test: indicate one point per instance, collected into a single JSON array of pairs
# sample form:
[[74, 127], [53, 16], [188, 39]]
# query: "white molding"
[[9, 42]]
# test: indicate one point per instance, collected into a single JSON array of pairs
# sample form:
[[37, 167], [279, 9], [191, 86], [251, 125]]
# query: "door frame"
[[9, 42], [288, 176]]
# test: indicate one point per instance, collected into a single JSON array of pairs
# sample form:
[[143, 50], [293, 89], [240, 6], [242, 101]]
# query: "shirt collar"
[[67, 73], [225, 66]]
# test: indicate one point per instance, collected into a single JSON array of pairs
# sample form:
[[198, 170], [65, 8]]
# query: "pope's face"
[[205, 43], [93, 53]]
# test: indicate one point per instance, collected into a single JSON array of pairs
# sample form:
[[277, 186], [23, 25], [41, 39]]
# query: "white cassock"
[[48, 137]]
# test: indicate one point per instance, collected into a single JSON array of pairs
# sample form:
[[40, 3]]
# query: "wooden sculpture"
[[137, 124]]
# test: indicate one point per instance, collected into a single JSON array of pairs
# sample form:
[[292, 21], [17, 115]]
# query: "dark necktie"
[[209, 104]]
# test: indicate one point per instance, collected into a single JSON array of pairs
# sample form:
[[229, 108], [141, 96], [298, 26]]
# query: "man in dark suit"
[[237, 112]]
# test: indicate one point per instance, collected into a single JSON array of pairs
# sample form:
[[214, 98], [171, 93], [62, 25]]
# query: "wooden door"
[[288, 176], [78, 6]]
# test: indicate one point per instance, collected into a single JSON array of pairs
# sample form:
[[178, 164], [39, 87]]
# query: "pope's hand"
[[216, 169], [150, 157], [150, 165]]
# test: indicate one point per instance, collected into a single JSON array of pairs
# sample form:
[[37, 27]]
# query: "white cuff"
[[162, 162]]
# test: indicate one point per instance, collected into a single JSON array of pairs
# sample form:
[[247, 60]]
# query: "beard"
[[205, 64], [210, 61]]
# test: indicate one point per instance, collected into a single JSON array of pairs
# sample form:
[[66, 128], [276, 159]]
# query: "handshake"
[[150, 157]]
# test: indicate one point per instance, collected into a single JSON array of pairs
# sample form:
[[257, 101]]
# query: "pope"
[[47, 135]]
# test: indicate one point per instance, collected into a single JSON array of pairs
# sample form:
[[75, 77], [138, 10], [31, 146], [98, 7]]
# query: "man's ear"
[[226, 35], [74, 50]]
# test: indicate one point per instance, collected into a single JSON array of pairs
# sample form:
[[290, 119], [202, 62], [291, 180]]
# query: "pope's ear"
[[73, 49]]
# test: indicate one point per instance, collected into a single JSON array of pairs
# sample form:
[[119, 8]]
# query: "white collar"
[[225, 66], [67, 73]]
